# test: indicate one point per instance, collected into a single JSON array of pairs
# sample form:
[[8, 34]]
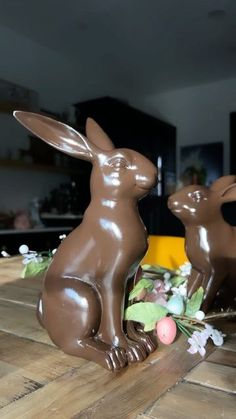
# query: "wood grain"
[[134, 395], [230, 343], [38, 362], [102, 393], [190, 401], [11, 269], [19, 294], [220, 356], [216, 376], [21, 320]]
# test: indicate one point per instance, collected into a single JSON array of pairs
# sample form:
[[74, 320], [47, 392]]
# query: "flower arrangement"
[[158, 300]]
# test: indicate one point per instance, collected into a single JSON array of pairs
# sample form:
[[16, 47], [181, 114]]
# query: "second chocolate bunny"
[[82, 301], [210, 242]]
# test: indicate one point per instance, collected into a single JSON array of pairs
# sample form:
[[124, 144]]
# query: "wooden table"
[[39, 381]]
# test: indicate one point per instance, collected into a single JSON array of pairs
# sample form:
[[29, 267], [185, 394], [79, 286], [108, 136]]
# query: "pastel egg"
[[166, 330]]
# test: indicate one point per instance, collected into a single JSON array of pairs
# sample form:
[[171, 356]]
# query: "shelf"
[[49, 215], [22, 165], [36, 230]]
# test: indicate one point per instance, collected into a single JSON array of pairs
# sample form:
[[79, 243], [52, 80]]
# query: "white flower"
[[62, 236], [166, 275], [5, 254], [32, 256], [185, 269], [167, 285], [23, 249], [181, 290], [215, 335], [198, 342], [54, 251], [199, 315]]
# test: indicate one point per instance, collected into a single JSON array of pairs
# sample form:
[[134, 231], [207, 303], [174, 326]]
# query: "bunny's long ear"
[[97, 136], [229, 194], [222, 183], [58, 135]]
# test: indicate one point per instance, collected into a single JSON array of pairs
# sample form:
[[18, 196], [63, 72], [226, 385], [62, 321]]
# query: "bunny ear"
[[222, 183], [58, 135], [97, 136], [229, 194]]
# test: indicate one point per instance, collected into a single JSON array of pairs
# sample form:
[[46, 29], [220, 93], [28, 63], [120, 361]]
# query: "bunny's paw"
[[136, 333], [136, 351], [115, 359]]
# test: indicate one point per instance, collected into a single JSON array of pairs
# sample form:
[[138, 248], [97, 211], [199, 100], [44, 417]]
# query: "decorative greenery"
[[193, 305], [160, 295], [143, 284], [36, 267], [146, 313]]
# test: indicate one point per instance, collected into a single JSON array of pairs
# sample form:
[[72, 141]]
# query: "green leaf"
[[34, 268], [177, 280], [194, 304], [146, 313], [140, 286]]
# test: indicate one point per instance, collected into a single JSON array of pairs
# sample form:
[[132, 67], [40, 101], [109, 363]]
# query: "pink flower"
[[159, 285], [156, 297]]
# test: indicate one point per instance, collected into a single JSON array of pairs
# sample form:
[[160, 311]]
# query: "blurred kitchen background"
[[158, 76]]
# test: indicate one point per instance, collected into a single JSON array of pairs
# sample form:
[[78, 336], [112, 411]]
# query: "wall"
[[200, 113], [30, 65]]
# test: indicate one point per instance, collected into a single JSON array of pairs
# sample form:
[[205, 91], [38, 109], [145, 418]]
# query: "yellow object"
[[165, 251]]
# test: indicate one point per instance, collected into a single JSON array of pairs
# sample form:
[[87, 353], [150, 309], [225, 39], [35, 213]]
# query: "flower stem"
[[182, 328], [220, 315], [189, 319], [191, 326]]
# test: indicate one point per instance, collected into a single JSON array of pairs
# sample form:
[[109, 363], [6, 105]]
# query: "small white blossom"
[[167, 275], [185, 269], [197, 343], [54, 251], [32, 256], [199, 315], [181, 290], [23, 249], [167, 285], [215, 335], [62, 236], [5, 254]]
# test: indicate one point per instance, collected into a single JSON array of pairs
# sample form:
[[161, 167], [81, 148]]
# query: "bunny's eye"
[[196, 196], [118, 162]]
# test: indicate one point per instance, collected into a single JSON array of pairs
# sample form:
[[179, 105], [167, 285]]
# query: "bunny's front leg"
[[111, 326], [206, 280], [194, 281]]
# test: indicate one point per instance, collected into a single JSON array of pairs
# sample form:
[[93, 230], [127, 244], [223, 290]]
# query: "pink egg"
[[166, 330]]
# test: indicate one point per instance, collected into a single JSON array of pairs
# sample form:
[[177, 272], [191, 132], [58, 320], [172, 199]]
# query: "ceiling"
[[140, 46]]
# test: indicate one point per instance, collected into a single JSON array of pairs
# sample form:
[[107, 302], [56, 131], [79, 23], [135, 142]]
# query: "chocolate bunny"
[[82, 302], [210, 242]]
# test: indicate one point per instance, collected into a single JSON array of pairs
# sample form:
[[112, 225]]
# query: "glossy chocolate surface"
[[82, 302], [210, 242]]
